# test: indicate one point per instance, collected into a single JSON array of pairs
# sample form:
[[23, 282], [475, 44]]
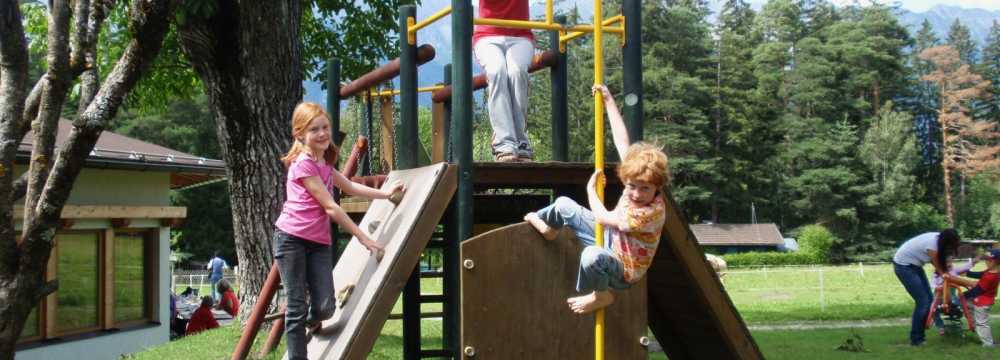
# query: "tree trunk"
[[22, 264], [252, 90]]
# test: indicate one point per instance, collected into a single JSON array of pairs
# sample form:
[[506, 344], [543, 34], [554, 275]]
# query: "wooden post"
[[408, 143], [437, 132], [388, 138]]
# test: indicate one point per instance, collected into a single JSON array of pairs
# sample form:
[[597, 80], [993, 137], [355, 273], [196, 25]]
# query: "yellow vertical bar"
[[598, 157], [548, 11]]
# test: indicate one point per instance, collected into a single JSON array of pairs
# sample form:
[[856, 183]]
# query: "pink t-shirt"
[[303, 216], [636, 242], [502, 9]]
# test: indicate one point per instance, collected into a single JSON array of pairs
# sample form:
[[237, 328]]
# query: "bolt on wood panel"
[[514, 301]]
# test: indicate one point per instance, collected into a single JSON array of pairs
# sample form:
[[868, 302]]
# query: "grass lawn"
[[819, 293], [786, 295]]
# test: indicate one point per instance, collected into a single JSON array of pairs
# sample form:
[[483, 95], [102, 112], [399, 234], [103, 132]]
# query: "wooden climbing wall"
[[404, 230], [514, 290]]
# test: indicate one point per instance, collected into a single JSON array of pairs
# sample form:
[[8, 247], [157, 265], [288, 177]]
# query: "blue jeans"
[[915, 282], [303, 265], [599, 268], [215, 289]]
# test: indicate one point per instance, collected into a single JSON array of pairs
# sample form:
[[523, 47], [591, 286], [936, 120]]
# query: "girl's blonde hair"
[[645, 162], [301, 118]]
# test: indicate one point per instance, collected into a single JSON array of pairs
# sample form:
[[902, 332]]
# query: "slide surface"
[[690, 312]]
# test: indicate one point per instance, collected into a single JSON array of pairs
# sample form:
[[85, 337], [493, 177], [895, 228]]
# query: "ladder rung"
[[431, 274], [435, 353], [424, 299], [425, 315]]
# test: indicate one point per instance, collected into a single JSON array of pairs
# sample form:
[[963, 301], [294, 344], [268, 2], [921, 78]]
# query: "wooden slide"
[[689, 311], [368, 288]]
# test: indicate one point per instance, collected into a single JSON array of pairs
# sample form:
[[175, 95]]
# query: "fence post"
[[861, 266], [765, 272], [822, 300]]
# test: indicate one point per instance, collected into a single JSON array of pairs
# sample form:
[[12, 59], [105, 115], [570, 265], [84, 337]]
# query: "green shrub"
[[816, 241], [771, 258]]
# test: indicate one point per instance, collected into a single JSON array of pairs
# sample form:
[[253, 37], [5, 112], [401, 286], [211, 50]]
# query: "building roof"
[[737, 234], [115, 151]]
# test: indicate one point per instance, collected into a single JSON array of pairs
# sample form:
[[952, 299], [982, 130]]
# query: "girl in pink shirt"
[[302, 235]]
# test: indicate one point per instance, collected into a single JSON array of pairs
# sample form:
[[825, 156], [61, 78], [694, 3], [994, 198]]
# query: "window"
[[77, 271], [107, 280], [129, 275]]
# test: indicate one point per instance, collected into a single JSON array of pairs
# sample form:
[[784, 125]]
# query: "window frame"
[[48, 307]]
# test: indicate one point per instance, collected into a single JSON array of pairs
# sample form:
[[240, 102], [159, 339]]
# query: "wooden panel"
[[689, 310], [107, 272], [388, 151], [107, 212], [437, 132], [404, 230], [514, 301]]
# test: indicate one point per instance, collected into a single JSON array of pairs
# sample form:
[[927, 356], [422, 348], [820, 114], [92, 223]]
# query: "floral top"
[[636, 241]]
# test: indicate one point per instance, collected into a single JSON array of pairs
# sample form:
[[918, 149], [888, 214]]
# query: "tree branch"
[[53, 96], [149, 23], [13, 83]]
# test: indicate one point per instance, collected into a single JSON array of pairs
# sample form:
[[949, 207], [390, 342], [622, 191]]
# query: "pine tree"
[[960, 39], [965, 146], [989, 68]]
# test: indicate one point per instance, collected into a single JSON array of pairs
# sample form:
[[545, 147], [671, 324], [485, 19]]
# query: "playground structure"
[[681, 300]]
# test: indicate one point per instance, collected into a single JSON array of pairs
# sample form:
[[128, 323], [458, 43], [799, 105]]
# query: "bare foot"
[[547, 231], [590, 302]]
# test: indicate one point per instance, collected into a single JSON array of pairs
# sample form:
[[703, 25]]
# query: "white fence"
[[180, 280]]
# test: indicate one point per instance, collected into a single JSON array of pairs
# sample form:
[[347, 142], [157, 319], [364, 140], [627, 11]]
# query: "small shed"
[[734, 238], [111, 253]]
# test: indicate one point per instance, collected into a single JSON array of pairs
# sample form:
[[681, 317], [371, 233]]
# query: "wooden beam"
[[107, 271], [172, 223], [114, 211], [388, 146]]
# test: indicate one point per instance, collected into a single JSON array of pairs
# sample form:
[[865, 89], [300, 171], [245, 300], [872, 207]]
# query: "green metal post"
[[461, 118], [632, 67], [406, 158], [366, 130], [558, 86], [333, 109], [333, 94], [452, 285], [448, 148]]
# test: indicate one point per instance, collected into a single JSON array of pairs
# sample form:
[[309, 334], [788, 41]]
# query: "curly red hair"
[[645, 162]]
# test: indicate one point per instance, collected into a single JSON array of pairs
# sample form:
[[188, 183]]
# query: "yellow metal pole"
[[598, 157], [419, 90], [609, 21], [548, 11], [429, 20]]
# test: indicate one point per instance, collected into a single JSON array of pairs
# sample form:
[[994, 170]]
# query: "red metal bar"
[[257, 316], [274, 337], [541, 61], [385, 72], [360, 147]]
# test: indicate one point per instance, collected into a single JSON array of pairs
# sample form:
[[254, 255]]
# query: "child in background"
[[202, 318], [632, 230], [302, 235], [937, 282], [982, 293], [228, 302]]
